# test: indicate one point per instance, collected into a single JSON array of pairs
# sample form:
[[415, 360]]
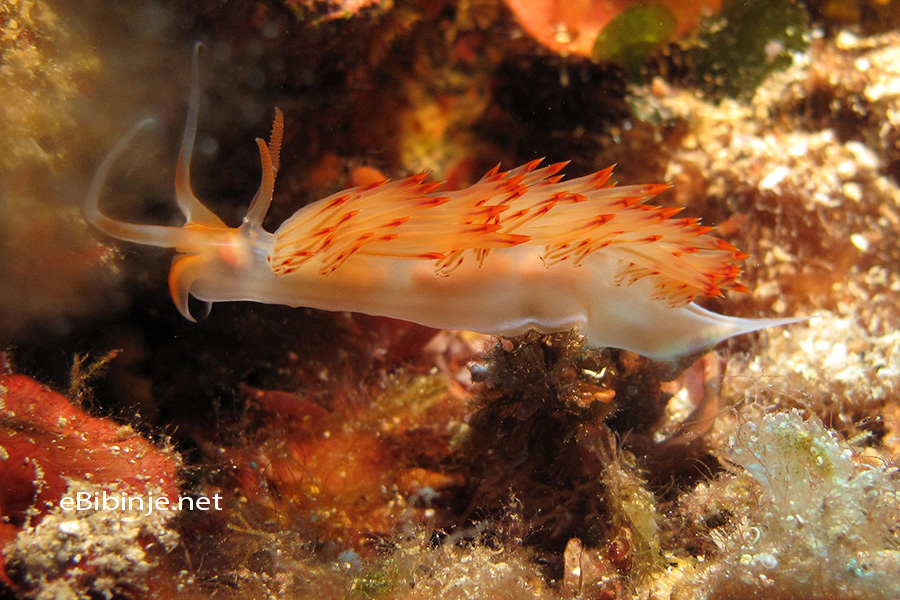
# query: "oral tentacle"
[[191, 207], [151, 235]]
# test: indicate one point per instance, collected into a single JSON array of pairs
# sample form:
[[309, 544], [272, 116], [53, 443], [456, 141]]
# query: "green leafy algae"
[[633, 34], [746, 42]]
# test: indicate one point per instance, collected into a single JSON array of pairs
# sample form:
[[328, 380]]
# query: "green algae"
[[634, 34], [746, 42]]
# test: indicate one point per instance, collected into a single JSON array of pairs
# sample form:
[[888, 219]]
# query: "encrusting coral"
[[51, 451]]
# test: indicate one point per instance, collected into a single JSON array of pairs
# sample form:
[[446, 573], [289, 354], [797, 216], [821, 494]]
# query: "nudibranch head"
[[206, 246]]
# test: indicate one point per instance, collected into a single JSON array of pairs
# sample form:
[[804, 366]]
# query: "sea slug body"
[[517, 250]]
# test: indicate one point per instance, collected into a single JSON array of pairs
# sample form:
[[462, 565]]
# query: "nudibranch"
[[518, 250]]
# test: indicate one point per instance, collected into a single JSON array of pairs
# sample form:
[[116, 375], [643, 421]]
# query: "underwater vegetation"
[[43, 72], [321, 470], [871, 16], [728, 46], [359, 457], [622, 30], [824, 522], [745, 42]]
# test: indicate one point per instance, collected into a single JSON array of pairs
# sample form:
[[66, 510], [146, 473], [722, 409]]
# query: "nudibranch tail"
[[670, 339]]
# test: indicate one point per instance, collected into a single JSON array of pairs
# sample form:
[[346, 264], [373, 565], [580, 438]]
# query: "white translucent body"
[[509, 294]]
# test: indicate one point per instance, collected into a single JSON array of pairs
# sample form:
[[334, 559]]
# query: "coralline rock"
[[50, 451]]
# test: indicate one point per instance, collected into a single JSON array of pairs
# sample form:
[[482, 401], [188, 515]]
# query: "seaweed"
[[745, 42], [810, 516], [633, 35]]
